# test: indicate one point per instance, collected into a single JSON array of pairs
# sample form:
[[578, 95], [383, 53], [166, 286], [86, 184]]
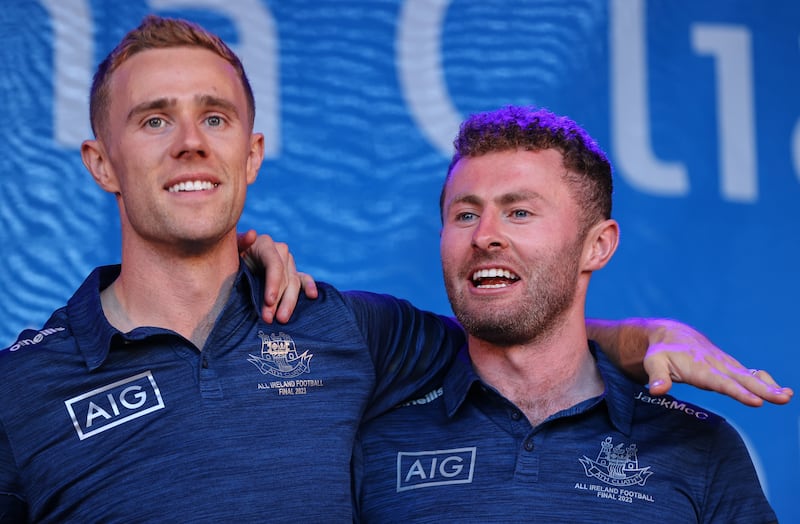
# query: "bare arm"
[[660, 351]]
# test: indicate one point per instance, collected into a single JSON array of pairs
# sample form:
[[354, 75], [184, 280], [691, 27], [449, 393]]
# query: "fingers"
[[659, 376], [256, 250], [282, 282], [309, 285], [730, 383], [765, 377], [761, 384], [679, 353], [709, 375], [246, 239], [291, 293], [265, 255], [749, 386], [660, 386], [273, 256], [716, 372]]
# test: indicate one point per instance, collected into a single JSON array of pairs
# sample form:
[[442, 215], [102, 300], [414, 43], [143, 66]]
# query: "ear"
[[255, 157], [96, 161], [600, 244]]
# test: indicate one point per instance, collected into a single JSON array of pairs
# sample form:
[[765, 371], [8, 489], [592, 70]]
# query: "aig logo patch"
[[423, 469], [109, 406]]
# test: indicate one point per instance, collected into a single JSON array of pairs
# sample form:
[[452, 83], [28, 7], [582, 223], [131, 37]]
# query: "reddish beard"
[[549, 292]]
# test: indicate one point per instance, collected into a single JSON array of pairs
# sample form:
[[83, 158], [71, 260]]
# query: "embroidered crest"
[[616, 465], [279, 356]]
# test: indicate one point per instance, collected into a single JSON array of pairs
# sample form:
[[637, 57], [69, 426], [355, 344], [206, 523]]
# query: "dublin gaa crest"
[[279, 356], [616, 465]]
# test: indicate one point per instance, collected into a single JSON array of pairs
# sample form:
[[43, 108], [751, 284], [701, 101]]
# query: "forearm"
[[625, 342]]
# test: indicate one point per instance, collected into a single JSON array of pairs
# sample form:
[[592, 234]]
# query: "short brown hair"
[[156, 32], [534, 129]]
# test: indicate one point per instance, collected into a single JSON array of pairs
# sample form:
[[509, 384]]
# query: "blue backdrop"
[[696, 103]]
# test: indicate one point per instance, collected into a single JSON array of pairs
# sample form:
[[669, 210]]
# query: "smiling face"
[[177, 149], [511, 244]]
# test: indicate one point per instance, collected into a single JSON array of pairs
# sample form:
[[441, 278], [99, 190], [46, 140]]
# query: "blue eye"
[[520, 213], [214, 121], [155, 122]]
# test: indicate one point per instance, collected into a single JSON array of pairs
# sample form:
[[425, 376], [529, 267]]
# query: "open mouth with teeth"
[[493, 278], [196, 185]]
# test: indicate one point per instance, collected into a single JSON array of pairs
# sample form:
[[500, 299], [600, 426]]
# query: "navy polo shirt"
[[102, 426], [463, 453]]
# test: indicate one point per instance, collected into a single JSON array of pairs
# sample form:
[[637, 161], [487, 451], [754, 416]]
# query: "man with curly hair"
[[531, 422]]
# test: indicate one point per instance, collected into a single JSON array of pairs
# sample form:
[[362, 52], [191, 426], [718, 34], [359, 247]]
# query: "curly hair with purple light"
[[586, 167]]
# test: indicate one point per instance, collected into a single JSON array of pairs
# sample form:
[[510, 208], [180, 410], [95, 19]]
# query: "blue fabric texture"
[[103, 426], [463, 453]]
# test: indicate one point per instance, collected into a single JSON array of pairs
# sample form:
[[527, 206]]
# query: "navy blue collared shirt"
[[102, 426], [463, 453]]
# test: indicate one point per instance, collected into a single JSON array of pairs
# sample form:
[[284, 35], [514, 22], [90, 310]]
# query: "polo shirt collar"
[[619, 393], [458, 381], [91, 329], [617, 397], [95, 336]]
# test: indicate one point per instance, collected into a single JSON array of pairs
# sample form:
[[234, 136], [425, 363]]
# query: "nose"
[[488, 233], [190, 141]]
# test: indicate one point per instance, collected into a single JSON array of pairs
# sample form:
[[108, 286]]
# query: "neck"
[[542, 377], [180, 292]]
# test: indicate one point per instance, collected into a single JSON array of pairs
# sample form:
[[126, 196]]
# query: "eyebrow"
[[150, 105], [511, 197], [217, 102], [206, 101]]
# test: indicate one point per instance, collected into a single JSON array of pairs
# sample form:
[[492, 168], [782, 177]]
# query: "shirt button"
[[529, 445], [205, 363], [516, 415]]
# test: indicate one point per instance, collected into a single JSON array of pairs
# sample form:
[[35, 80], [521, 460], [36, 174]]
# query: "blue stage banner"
[[695, 102]]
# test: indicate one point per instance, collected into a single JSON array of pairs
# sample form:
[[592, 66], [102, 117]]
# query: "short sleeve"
[[410, 348], [734, 493]]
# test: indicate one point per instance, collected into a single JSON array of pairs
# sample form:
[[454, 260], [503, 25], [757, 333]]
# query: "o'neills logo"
[[616, 465], [279, 356], [36, 339], [429, 397]]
